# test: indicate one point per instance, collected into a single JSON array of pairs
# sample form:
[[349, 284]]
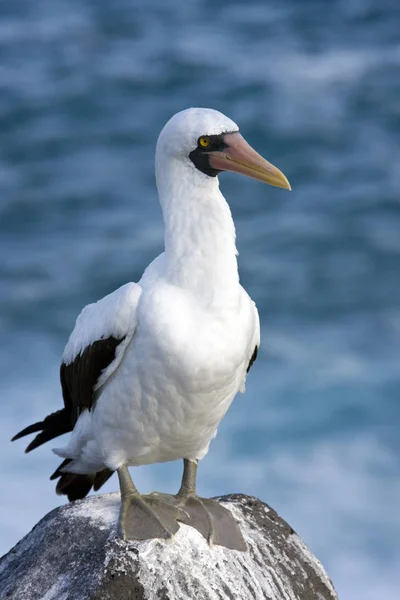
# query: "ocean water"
[[315, 87]]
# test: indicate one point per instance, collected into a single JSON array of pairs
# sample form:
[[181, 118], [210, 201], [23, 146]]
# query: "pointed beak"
[[238, 156]]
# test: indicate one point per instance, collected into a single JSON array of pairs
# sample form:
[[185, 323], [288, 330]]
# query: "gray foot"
[[215, 522], [148, 517]]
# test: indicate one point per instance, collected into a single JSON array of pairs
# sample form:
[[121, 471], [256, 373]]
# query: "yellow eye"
[[204, 142]]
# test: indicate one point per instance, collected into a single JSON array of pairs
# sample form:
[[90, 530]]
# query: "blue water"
[[315, 86]]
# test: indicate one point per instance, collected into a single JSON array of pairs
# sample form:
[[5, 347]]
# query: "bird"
[[150, 370]]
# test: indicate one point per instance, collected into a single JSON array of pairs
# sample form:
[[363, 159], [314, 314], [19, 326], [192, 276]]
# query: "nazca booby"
[[150, 370]]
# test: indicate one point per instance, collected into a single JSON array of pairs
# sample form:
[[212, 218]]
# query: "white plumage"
[[189, 328]]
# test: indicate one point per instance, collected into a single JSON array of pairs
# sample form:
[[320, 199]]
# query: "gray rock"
[[74, 554]]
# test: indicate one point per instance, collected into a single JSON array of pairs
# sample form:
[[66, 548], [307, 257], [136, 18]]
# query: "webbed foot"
[[215, 522], [148, 517], [145, 517]]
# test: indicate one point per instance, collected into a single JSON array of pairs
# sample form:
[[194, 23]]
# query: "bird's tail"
[[73, 485], [77, 486]]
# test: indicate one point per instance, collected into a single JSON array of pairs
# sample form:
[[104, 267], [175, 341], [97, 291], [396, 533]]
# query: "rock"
[[73, 554]]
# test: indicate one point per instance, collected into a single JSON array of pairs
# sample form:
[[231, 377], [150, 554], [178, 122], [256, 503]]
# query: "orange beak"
[[238, 156]]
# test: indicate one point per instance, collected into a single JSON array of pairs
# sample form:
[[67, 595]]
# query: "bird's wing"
[[255, 343], [96, 347], [94, 351]]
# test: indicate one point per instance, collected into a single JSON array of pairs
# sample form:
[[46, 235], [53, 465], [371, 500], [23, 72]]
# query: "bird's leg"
[[145, 517], [188, 484], [210, 518]]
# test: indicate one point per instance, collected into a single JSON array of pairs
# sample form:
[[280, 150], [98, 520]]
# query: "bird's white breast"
[[178, 377]]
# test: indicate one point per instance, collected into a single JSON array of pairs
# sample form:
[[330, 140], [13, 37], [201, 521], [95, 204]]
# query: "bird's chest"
[[196, 348]]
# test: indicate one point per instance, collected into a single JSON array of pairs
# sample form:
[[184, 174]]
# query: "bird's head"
[[210, 142]]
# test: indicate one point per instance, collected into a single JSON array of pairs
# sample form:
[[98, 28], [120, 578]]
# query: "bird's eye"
[[204, 142]]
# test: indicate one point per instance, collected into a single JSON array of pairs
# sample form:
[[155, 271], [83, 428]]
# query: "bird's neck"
[[200, 247]]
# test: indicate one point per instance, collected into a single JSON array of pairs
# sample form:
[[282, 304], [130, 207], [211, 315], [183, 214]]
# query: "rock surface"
[[73, 554]]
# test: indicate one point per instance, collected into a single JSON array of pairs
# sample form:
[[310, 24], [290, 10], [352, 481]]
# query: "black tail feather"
[[69, 484], [58, 472], [78, 486], [100, 478], [74, 486], [52, 426]]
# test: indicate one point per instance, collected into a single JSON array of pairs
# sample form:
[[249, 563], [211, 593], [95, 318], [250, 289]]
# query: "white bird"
[[150, 370]]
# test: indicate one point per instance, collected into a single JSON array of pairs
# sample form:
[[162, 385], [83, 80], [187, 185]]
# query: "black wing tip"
[[252, 359], [33, 445], [28, 430], [53, 425], [30, 446]]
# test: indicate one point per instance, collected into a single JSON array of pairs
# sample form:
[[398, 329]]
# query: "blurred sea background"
[[315, 87]]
